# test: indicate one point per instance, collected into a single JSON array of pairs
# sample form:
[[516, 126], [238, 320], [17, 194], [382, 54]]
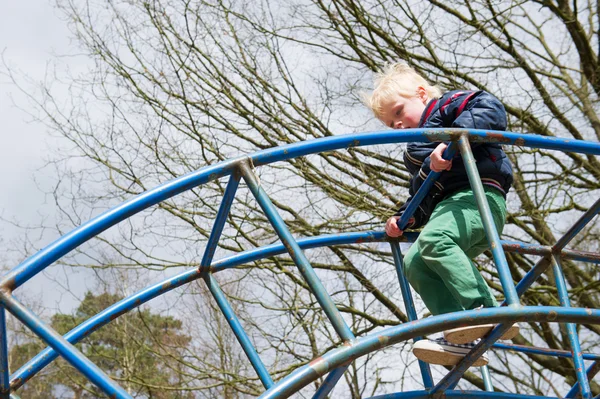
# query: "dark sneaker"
[[463, 335], [444, 353]]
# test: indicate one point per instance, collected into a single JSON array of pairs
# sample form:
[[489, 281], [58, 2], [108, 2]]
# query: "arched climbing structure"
[[335, 362]]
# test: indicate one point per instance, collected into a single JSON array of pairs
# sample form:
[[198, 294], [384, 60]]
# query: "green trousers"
[[438, 265]]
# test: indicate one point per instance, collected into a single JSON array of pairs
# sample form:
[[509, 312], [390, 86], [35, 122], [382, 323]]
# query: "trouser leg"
[[441, 254]]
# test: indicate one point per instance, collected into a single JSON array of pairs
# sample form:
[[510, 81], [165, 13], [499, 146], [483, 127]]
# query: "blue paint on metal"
[[78, 333], [4, 372], [330, 382], [62, 246], [392, 335], [488, 223], [578, 226], [410, 308], [487, 378], [34, 264], [453, 377], [218, 294], [64, 348], [543, 351], [92, 324], [83, 330], [220, 220], [563, 295], [460, 394], [591, 372], [317, 288], [238, 330], [424, 189]]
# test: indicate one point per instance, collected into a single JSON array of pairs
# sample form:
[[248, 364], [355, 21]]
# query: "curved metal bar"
[[45, 357], [71, 354], [36, 263], [460, 394], [392, 335], [65, 244]]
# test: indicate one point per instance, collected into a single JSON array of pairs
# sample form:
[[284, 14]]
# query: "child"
[[438, 265]]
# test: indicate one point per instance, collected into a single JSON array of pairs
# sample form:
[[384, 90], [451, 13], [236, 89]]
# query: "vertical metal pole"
[[409, 305], [4, 374], [296, 253], [563, 295], [238, 330], [216, 291], [488, 223], [64, 348], [510, 292], [220, 220], [591, 372], [487, 378], [330, 382]]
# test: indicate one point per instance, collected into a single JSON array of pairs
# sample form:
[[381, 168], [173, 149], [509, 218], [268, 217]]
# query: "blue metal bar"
[[421, 135], [295, 252], [591, 372], [78, 333], [543, 351], [542, 250], [4, 372], [578, 226], [220, 220], [460, 394], [34, 264], [238, 330], [402, 332], [330, 382], [563, 295], [41, 360], [424, 189], [488, 223], [64, 348], [454, 376], [216, 291], [409, 305], [44, 358], [487, 378]]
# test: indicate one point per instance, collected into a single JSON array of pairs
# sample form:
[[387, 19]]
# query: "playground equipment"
[[335, 362]]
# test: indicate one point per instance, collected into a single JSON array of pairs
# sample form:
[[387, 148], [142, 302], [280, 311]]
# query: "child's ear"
[[422, 94]]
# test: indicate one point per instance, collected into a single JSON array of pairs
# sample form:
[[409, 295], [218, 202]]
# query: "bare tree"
[[179, 85]]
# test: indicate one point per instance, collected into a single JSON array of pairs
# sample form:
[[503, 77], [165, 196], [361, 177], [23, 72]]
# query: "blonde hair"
[[394, 79]]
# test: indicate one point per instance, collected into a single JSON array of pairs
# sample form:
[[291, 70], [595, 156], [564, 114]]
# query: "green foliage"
[[139, 350]]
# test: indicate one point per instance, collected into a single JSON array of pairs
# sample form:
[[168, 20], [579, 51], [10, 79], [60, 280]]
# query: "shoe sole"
[[444, 357], [464, 335]]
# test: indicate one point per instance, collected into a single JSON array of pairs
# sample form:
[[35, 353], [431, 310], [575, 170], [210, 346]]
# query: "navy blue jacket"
[[460, 109]]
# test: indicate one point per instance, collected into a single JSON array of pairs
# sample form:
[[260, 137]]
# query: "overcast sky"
[[33, 38]]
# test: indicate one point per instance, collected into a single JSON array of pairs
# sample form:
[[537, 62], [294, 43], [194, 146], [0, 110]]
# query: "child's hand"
[[391, 226], [439, 164]]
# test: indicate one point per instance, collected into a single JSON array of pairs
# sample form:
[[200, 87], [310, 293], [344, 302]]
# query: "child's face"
[[401, 112]]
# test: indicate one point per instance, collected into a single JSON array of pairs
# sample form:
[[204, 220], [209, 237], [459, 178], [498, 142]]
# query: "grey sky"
[[32, 37]]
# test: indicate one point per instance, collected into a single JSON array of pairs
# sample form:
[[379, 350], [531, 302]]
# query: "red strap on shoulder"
[[464, 103], [429, 109]]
